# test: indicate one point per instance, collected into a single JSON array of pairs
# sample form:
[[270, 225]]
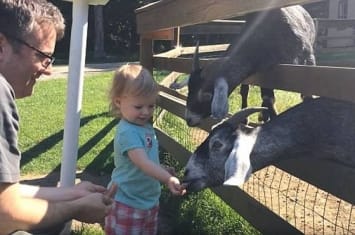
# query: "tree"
[[99, 47]]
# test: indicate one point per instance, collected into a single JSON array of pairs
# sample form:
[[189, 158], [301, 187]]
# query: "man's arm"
[[54, 194], [24, 213]]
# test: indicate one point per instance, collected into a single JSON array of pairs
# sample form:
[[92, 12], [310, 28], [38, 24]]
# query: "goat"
[[283, 35], [318, 128]]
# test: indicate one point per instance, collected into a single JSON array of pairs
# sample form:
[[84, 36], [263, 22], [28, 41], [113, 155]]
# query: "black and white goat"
[[269, 37], [318, 128]]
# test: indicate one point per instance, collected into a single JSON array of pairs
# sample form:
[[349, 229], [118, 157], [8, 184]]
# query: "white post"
[[74, 92]]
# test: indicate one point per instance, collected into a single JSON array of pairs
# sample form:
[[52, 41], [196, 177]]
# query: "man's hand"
[[94, 207]]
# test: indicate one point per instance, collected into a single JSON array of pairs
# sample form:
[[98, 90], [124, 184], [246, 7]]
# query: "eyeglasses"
[[46, 59]]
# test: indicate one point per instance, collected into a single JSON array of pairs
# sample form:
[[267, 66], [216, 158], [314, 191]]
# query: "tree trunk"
[[99, 48]]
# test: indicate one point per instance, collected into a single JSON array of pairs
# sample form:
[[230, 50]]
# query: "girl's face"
[[136, 109]]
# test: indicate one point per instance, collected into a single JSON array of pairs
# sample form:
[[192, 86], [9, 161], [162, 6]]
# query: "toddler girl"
[[136, 157]]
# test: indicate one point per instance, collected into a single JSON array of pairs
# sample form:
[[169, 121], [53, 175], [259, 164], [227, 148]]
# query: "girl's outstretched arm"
[[141, 160]]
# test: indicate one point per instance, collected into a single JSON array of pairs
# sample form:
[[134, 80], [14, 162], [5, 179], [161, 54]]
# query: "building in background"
[[335, 21], [342, 10]]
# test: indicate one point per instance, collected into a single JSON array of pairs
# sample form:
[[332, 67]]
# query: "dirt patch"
[[306, 207]]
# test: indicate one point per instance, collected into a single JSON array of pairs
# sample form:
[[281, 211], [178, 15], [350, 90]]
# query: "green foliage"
[[201, 213], [86, 229], [205, 213], [120, 38]]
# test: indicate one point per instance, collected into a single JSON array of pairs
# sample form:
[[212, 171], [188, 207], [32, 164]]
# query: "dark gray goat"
[[318, 128], [269, 37]]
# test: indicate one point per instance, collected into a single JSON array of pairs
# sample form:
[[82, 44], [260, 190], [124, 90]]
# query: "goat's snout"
[[187, 176], [194, 178], [186, 172], [191, 122], [187, 179], [192, 119]]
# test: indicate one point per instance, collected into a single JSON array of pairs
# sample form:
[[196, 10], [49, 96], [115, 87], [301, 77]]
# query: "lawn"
[[41, 132], [42, 120]]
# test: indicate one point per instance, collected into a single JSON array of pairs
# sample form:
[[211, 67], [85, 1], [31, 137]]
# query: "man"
[[29, 30]]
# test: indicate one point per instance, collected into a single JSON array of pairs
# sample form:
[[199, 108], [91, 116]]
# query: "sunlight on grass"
[[42, 124]]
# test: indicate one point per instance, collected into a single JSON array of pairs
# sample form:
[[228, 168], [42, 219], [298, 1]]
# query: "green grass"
[[87, 229], [42, 120], [40, 139], [340, 58]]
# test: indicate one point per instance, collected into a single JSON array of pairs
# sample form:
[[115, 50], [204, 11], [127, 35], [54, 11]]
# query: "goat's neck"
[[240, 70], [234, 70], [319, 128], [270, 144]]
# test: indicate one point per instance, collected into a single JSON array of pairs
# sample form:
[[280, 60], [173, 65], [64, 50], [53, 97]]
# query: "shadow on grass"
[[101, 160], [98, 163]]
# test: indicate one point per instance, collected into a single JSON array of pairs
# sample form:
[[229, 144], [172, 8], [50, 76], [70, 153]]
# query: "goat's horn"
[[243, 114], [196, 59]]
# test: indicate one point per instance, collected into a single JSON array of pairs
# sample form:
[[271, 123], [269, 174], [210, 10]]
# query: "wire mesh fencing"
[[303, 205]]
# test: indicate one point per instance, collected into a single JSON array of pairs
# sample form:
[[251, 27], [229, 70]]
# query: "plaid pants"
[[125, 220]]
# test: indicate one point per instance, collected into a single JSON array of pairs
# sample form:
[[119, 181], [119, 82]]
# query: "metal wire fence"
[[304, 206]]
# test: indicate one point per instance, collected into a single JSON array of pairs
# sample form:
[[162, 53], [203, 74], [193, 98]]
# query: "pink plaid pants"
[[125, 220]]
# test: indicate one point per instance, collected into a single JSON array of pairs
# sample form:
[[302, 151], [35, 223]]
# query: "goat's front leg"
[[268, 98], [244, 91]]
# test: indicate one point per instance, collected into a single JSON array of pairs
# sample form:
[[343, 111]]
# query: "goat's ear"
[[219, 105], [237, 168]]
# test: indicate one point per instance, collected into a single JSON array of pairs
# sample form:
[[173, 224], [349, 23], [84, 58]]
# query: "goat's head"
[[223, 157], [205, 97]]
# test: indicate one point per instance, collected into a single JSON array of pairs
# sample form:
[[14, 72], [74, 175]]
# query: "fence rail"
[[264, 200]]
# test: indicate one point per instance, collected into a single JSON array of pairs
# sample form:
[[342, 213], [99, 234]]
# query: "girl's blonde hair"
[[131, 80]]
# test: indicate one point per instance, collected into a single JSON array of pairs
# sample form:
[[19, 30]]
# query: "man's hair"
[[18, 18]]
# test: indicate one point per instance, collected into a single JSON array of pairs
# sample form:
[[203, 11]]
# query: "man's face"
[[22, 67]]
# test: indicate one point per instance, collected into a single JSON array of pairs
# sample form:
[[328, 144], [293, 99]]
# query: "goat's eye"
[[216, 145], [204, 96]]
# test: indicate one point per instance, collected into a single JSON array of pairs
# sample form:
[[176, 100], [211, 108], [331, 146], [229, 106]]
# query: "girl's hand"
[[175, 187], [111, 191]]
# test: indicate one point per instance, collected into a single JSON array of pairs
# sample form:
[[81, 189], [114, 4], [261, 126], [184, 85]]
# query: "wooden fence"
[[160, 21]]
